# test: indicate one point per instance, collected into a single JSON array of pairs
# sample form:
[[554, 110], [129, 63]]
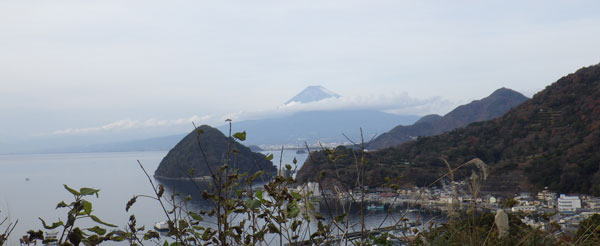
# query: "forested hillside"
[[551, 140], [207, 148]]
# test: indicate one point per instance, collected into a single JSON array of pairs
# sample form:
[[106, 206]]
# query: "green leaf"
[[340, 218], [269, 157], [253, 203], [73, 191], [151, 234], [98, 230], [50, 227], [259, 195], [97, 220], [240, 135], [183, 224], [88, 191], [87, 207], [293, 210], [295, 161], [195, 216], [61, 204], [296, 195], [288, 166], [256, 175]]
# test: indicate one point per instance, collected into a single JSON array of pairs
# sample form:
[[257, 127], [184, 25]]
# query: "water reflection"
[[194, 189], [374, 214], [188, 188]]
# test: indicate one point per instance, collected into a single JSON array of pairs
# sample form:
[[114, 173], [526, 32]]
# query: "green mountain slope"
[[551, 140]]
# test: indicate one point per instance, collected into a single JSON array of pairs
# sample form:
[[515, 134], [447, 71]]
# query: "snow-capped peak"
[[312, 94]]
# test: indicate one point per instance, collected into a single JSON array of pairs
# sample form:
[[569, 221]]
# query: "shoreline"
[[203, 178]]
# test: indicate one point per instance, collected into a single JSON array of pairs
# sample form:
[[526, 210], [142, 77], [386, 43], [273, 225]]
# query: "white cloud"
[[132, 124], [400, 102], [394, 102]]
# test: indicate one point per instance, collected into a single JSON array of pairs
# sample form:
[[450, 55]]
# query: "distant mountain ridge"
[[495, 105], [551, 140], [313, 93], [147, 144], [313, 126]]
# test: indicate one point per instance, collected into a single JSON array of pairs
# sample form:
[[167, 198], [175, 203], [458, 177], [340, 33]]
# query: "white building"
[[533, 223], [527, 209], [568, 203]]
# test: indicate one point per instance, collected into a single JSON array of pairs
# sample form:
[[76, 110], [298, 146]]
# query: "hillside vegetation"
[[186, 159], [551, 140]]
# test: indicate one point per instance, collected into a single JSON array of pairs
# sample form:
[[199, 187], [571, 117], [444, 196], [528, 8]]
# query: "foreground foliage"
[[589, 231], [480, 229]]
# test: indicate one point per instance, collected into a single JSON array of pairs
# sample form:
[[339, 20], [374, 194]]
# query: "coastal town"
[[545, 210]]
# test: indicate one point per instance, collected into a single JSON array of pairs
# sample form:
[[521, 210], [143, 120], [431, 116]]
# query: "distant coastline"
[[202, 178]]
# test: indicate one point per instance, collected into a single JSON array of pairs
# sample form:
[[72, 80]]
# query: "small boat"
[[300, 151], [375, 207], [162, 226]]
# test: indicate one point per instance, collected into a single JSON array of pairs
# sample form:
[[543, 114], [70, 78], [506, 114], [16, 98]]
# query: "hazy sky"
[[76, 65]]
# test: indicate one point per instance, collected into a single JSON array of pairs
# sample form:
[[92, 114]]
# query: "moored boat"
[[375, 207], [162, 226]]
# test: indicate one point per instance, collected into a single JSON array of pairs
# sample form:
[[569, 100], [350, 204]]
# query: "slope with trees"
[[551, 140], [196, 154]]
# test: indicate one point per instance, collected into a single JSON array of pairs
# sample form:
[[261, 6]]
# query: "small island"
[[205, 149]]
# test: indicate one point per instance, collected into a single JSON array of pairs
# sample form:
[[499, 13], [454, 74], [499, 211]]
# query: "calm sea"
[[32, 185]]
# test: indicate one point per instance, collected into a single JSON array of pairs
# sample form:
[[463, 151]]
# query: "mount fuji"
[[318, 125], [313, 93]]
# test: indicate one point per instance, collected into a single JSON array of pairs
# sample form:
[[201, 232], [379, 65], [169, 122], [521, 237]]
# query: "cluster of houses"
[[560, 209], [547, 201]]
